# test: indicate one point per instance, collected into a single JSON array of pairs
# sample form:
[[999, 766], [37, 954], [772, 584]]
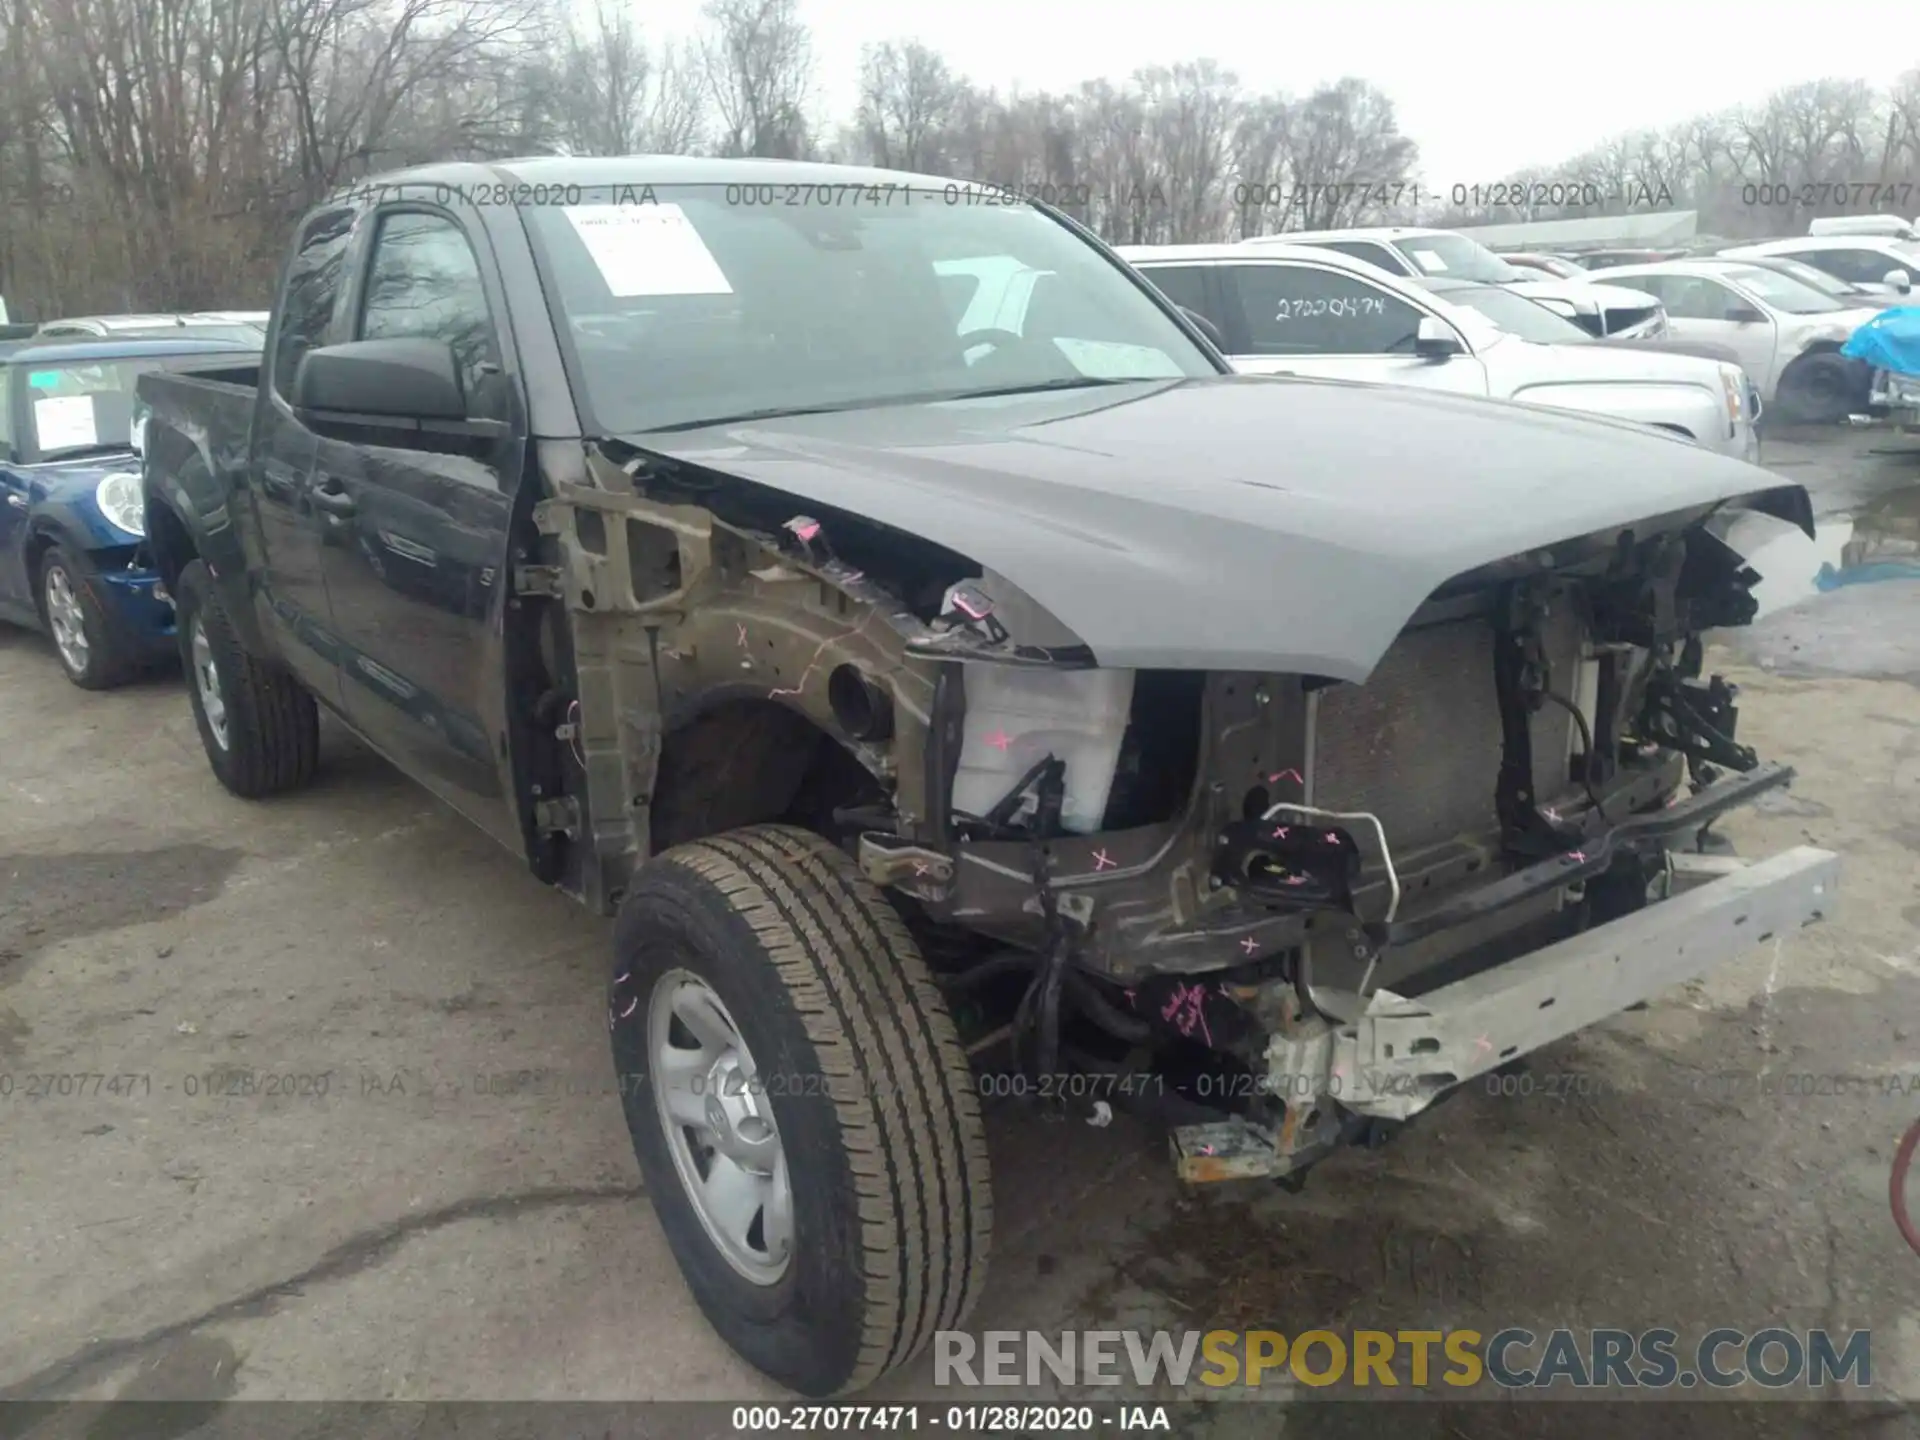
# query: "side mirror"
[[1205, 326], [1899, 280], [388, 379], [1435, 340], [1744, 315]]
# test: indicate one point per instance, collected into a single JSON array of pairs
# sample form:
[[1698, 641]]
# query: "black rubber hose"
[[1006, 963], [1103, 1012]]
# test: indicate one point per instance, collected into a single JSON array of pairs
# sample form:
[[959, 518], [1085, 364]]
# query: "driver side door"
[[1288, 318], [417, 522]]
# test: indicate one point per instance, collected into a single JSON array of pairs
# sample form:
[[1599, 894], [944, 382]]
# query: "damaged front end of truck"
[[1308, 904]]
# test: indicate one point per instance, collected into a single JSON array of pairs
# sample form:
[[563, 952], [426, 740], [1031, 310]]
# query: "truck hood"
[[1237, 523]]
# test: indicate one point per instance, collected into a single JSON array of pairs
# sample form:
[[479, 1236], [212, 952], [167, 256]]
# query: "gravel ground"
[[436, 1226]]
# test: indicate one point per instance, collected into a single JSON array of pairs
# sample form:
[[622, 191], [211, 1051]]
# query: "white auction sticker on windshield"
[[648, 250], [65, 421], [1427, 260]]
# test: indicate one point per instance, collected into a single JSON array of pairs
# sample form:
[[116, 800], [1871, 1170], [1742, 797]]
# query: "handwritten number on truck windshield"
[[1340, 307]]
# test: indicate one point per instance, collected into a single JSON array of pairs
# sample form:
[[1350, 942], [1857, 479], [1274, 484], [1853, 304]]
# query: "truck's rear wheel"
[[800, 1106], [260, 729]]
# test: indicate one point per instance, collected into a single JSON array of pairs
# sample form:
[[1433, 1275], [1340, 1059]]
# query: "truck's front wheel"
[[260, 730], [800, 1106]]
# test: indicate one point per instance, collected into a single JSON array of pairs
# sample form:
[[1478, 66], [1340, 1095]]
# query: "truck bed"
[[205, 412]]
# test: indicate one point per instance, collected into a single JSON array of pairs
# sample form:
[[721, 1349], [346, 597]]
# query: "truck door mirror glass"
[[1435, 340], [1206, 327], [410, 379], [1898, 280]]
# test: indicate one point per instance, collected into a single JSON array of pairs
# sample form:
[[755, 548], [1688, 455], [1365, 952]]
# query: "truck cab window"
[[313, 283], [425, 284], [1184, 285]]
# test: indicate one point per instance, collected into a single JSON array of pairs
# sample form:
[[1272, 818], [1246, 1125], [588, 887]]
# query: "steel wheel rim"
[[67, 620], [206, 680], [719, 1127]]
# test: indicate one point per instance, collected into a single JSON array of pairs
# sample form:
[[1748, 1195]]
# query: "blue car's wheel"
[[89, 650]]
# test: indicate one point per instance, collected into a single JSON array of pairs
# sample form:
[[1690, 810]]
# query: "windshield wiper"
[[772, 412], [1039, 387], [930, 397], [77, 452]]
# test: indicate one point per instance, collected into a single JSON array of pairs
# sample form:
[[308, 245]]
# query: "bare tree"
[[759, 70], [910, 106], [1348, 155]]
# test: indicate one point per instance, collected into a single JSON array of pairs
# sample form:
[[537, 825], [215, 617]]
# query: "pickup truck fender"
[[1701, 412], [672, 612], [188, 515]]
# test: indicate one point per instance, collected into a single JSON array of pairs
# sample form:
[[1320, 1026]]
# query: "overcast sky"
[[1485, 88]]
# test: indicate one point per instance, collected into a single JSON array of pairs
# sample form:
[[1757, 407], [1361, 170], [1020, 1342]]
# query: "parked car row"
[[1778, 310], [1304, 310], [1611, 311]]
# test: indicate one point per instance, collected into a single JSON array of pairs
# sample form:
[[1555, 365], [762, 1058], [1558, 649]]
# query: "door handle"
[[19, 502], [334, 502]]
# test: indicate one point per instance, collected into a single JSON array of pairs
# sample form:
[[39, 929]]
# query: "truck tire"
[[89, 649], [819, 1079], [260, 729]]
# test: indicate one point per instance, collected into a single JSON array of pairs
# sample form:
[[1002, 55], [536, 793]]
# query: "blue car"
[[73, 555]]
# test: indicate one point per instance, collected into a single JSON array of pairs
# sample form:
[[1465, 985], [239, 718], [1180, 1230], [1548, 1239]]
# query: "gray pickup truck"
[[1276, 754]]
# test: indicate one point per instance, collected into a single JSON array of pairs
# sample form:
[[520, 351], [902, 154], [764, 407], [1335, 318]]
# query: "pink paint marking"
[[1296, 880], [1249, 944], [1103, 861], [1129, 994], [1187, 1011], [1551, 813], [632, 1005], [1577, 855], [624, 978], [1483, 1043], [741, 631], [1281, 833], [920, 867], [1333, 837], [1293, 775], [1000, 740], [807, 531]]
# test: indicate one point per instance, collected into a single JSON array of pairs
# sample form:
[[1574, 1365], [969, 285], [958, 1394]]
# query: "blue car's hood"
[[71, 479]]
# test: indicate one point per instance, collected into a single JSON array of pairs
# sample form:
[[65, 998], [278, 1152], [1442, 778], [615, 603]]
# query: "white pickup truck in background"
[[1283, 310]]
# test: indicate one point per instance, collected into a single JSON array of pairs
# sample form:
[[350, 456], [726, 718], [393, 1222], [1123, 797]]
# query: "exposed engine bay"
[[1310, 906]]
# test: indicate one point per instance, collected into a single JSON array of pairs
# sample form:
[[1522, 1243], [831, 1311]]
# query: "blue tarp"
[[1889, 341]]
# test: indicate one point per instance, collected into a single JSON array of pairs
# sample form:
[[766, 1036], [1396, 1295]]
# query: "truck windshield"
[[1458, 258], [705, 303], [1783, 292], [1518, 315]]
